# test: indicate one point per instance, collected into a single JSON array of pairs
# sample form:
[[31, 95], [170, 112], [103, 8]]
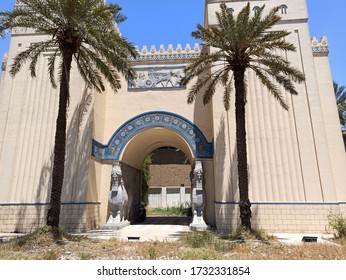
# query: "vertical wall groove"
[[310, 115]]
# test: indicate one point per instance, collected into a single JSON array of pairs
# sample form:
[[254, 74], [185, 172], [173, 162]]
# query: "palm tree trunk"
[[243, 182], [53, 216]]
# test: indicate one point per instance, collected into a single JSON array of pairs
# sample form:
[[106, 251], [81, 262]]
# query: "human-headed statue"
[[118, 199], [198, 197]]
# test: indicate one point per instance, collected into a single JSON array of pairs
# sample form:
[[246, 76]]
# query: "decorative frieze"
[[167, 54], [320, 47], [157, 77]]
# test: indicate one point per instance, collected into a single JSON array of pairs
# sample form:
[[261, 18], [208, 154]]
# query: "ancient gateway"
[[296, 157]]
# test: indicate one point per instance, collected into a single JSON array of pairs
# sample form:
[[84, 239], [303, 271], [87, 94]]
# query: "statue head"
[[116, 170], [198, 167]]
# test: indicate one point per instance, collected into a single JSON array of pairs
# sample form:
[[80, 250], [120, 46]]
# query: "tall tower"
[[28, 110], [295, 157]]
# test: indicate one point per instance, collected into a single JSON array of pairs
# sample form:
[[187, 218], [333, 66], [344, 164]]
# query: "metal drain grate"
[[309, 239], [133, 238]]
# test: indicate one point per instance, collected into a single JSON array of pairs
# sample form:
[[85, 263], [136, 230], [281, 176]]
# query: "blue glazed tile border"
[[281, 203], [190, 132]]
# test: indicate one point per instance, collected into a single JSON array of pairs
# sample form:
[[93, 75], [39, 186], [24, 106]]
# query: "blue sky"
[[155, 22]]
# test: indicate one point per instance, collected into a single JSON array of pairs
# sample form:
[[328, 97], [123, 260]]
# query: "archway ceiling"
[[149, 140]]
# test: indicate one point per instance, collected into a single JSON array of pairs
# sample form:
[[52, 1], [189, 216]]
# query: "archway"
[[138, 148], [140, 136]]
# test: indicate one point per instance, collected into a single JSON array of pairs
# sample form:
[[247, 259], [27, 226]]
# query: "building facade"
[[296, 157]]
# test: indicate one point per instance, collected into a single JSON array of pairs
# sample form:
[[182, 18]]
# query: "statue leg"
[[110, 219], [117, 218]]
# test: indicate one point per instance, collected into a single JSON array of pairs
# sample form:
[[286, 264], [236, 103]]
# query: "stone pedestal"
[[198, 223], [114, 226]]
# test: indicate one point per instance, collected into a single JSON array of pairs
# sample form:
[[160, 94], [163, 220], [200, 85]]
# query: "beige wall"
[[28, 111], [333, 131]]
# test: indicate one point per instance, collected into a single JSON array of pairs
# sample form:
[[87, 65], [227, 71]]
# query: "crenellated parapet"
[[320, 47], [4, 62], [170, 53], [20, 6]]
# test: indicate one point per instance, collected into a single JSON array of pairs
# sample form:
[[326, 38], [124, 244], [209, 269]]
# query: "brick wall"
[[76, 217], [276, 217], [169, 175]]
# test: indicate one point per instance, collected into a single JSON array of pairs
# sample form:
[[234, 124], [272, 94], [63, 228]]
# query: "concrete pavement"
[[167, 229], [152, 229]]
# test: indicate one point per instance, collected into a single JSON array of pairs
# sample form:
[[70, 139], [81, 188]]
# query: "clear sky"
[[155, 22]]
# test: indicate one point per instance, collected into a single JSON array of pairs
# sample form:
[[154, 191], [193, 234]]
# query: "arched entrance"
[[141, 135]]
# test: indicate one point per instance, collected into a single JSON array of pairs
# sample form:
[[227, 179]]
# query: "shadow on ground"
[[166, 220]]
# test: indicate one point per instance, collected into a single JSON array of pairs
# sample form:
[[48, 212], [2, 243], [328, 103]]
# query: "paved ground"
[[154, 228], [296, 238], [171, 229]]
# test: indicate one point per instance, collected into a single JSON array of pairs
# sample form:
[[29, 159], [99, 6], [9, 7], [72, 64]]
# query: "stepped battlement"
[[170, 53], [320, 46]]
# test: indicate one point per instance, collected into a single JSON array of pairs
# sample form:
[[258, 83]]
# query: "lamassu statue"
[[118, 199], [198, 198]]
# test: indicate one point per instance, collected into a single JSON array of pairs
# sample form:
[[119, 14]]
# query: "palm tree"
[[340, 95], [82, 31], [243, 42]]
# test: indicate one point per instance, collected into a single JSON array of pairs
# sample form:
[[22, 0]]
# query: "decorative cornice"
[[167, 54], [320, 47], [20, 6]]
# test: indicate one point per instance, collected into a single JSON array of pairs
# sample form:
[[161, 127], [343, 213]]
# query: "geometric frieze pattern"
[[164, 54], [157, 78], [190, 132]]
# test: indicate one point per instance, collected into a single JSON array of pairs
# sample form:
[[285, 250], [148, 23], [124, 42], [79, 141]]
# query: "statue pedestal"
[[198, 227], [198, 224], [114, 226]]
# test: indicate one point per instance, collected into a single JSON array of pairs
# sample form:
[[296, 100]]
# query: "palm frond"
[[216, 77], [91, 75], [109, 73], [340, 96], [51, 67], [245, 41], [265, 79], [31, 53], [198, 66], [87, 25]]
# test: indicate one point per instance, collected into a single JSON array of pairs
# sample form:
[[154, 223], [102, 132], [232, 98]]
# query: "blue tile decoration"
[[191, 133]]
